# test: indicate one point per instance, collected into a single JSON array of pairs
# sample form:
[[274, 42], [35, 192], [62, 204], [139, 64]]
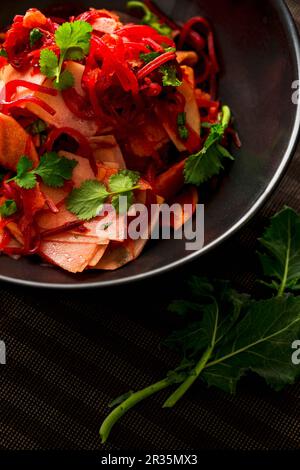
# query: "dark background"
[[69, 354]]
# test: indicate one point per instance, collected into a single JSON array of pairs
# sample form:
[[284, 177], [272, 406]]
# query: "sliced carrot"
[[15, 232], [14, 142], [187, 201], [169, 183]]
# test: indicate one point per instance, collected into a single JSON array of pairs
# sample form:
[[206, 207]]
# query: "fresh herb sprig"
[[52, 169], [182, 128], [227, 334], [168, 71], [73, 40], [150, 19], [208, 162], [8, 208], [169, 75], [88, 201], [35, 36], [3, 53]]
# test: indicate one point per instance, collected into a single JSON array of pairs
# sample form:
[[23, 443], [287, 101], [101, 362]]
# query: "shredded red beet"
[[155, 64], [12, 86], [7, 105]]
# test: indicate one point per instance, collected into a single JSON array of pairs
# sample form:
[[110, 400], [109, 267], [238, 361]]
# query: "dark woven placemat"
[[69, 354]]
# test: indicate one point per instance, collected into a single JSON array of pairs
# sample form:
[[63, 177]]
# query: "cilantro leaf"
[[201, 167], [133, 175], [181, 124], [123, 181], [73, 40], [87, 201], [52, 169], [48, 63], [25, 178], [208, 162], [8, 208], [169, 73], [3, 53], [55, 170], [280, 252], [122, 202], [150, 19], [34, 36], [121, 186], [65, 80]]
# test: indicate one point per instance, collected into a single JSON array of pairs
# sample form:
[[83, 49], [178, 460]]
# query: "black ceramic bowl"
[[259, 50]]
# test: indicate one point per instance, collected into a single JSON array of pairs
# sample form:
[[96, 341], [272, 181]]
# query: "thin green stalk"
[[142, 6], [183, 388], [133, 400], [124, 191], [287, 261], [226, 116], [60, 64]]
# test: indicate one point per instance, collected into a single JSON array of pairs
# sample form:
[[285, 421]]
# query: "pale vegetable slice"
[[69, 256], [14, 142], [106, 25], [115, 257], [9, 73], [118, 256], [100, 252], [56, 195], [47, 220], [109, 227], [63, 116], [107, 151], [73, 237]]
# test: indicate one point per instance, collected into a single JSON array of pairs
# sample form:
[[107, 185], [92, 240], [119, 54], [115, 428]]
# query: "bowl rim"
[[291, 29]]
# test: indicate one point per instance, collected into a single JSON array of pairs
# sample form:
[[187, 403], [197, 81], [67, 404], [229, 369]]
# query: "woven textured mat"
[[69, 354]]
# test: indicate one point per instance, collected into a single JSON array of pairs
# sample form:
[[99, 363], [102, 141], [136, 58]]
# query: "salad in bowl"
[[98, 116]]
